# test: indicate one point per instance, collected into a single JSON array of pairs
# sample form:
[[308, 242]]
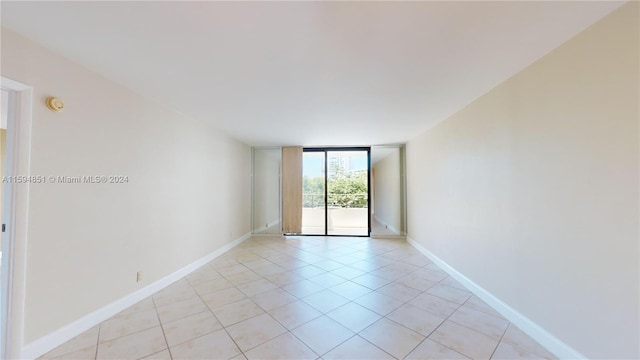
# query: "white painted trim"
[[539, 334], [16, 216], [58, 337]]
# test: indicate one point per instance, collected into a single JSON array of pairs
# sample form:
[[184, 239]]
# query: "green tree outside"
[[346, 189]]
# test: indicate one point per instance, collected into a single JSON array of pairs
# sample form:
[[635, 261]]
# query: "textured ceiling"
[[309, 73]]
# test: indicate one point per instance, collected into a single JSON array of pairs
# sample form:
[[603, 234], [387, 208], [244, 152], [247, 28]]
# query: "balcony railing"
[[358, 200]]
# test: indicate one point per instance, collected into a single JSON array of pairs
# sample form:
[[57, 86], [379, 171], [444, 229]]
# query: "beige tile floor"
[[309, 298]]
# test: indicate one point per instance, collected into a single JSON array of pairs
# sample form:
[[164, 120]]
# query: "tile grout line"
[[155, 307], [98, 340], [325, 313], [407, 302], [379, 256], [381, 349], [385, 316], [300, 325], [350, 300], [289, 331], [445, 320], [265, 312], [216, 317], [500, 341]]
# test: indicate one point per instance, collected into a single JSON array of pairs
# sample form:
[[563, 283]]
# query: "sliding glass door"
[[313, 192], [336, 192]]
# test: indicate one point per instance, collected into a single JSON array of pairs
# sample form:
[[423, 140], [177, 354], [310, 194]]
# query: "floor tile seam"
[[381, 349], [455, 287], [425, 337], [262, 343], [177, 301], [258, 267], [74, 349], [233, 302], [304, 323], [297, 296], [98, 340], [318, 310], [191, 339], [215, 291], [500, 317], [498, 344], [328, 351], [187, 316], [502, 339], [368, 326], [221, 324], [192, 284], [482, 311], [421, 291], [418, 344], [404, 326], [441, 298], [129, 334], [445, 346], [261, 291], [451, 286], [161, 327], [335, 293], [249, 270], [267, 311], [157, 352], [329, 288], [477, 331], [302, 341], [466, 326], [430, 333], [395, 322], [199, 269], [236, 273], [403, 301], [445, 320]]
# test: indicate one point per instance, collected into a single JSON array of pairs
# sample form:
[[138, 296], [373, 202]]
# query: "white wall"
[[531, 191], [4, 108], [188, 192], [386, 188], [266, 190]]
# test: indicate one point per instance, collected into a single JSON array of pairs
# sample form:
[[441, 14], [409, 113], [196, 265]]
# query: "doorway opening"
[[388, 194], [7, 110], [4, 109], [336, 191], [17, 102]]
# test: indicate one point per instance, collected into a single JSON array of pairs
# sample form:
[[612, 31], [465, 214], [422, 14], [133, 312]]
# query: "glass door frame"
[[326, 150]]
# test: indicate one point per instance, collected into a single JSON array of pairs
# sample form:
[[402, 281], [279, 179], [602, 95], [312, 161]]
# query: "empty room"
[[320, 180]]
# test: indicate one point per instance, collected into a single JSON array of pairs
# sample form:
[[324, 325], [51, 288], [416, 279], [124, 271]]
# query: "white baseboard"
[[58, 337], [539, 334], [389, 227], [262, 228]]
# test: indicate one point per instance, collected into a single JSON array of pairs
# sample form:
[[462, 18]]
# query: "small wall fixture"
[[55, 104]]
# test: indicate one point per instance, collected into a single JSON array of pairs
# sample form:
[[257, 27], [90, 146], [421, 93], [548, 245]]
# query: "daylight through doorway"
[[336, 192]]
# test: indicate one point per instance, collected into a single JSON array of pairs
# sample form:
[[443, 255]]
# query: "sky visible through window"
[[313, 163]]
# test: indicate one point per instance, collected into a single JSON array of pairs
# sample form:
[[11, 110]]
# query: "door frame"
[[15, 217], [326, 187]]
